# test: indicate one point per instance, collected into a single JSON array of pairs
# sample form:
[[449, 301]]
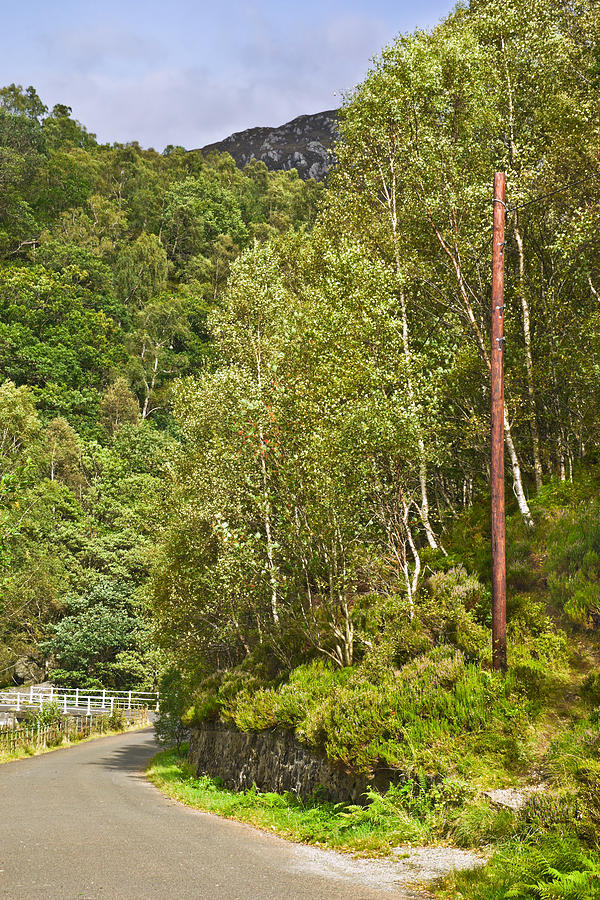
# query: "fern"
[[581, 883]]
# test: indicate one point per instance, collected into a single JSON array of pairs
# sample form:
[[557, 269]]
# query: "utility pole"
[[497, 442]]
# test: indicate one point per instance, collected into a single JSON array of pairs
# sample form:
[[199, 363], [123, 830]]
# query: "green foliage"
[[573, 562], [552, 867], [110, 258], [116, 720], [255, 709], [53, 335], [590, 688], [87, 640], [48, 714], [174, 700]]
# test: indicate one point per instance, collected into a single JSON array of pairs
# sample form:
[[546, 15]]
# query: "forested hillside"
[[342, 426], [111, 258], [245, 434]]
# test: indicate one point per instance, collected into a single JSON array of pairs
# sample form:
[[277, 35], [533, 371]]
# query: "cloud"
[[270, 78], [191, 73], [84, 50]]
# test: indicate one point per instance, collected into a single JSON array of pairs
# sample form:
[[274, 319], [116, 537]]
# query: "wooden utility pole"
[[497, 460]]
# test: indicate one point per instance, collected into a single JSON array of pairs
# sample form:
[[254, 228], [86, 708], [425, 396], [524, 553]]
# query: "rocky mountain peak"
[[304, 144]]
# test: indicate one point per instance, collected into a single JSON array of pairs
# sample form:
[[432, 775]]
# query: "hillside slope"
[[304, 144]]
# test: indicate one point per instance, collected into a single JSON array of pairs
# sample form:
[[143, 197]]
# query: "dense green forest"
[[327, 453], [245, 430], [112, 257]]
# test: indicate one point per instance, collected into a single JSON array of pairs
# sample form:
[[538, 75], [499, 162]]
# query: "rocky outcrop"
[[515, 800], [277, 761], [304, 144], [27, 670]]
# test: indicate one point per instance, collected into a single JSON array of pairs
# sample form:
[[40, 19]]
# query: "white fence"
[[77, 700]]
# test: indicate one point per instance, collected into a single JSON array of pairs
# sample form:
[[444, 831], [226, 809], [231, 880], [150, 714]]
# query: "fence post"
[[31, 694], [51, 693], [18, 702], [76, 696], [129, 707], [112, 701], [103, 699], [65, 705], [89, 707]]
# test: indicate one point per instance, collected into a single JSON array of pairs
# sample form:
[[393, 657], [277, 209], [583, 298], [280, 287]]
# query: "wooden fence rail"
[[38, 736]]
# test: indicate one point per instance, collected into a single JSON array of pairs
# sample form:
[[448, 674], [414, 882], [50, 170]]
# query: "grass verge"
[[404, 815], [307, 821], [528, 861]]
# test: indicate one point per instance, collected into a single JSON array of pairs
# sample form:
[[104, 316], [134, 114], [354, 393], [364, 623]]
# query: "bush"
[[478, 824], [414, 716], [49, 714], [590, 689], [116, 721], [285, 705], [573, 562], [174, 701]]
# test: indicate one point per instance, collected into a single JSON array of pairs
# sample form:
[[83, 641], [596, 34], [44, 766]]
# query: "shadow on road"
[[132, 759]]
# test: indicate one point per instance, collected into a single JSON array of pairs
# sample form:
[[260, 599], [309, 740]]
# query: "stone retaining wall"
[[276, 761]]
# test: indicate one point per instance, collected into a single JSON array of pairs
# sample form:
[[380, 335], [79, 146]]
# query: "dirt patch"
[[411, 868]]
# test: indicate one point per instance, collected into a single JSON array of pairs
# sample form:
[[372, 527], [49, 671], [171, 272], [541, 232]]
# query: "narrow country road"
[[84, 823]]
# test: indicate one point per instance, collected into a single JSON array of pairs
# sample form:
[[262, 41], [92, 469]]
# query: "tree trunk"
[[389, 192], [535, 436], [516, 470], [265, 486], [270, 553]]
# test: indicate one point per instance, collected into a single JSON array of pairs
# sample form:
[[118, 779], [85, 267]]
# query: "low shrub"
[[116, 720], [549, 866], [478, 824], [169, 726], [573, 562], [590, 689], [49, 714], [418, 715], [287, 704]]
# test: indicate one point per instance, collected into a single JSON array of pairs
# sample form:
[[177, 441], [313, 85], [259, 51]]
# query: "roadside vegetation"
[[404, 815], [424, 699]]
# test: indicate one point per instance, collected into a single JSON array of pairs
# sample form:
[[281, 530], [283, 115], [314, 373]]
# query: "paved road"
[[84, 823]]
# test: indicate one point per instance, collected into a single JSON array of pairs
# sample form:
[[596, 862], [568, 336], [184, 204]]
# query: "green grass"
[[409, 813]]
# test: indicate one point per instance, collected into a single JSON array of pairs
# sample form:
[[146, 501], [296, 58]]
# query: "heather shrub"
[[412, 716]]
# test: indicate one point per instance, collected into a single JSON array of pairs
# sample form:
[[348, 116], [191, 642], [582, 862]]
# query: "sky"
[[189, 73]]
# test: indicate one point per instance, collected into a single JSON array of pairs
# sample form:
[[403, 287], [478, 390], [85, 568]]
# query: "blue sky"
[[189, 72]]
